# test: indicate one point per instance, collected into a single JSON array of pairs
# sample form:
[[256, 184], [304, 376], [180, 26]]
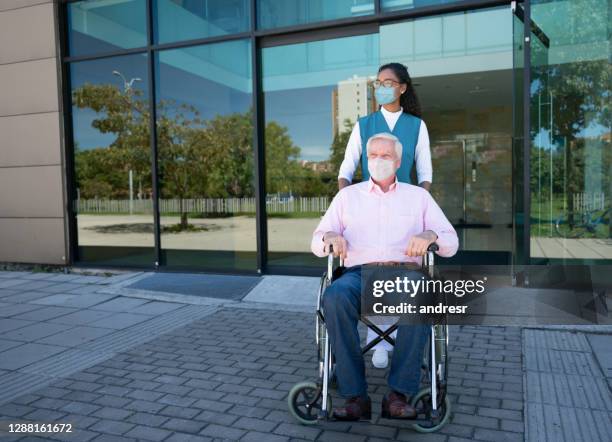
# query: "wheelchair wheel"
[[305, 401], [422, 402]]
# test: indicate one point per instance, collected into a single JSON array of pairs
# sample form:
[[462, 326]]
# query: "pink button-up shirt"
[[378, 225]]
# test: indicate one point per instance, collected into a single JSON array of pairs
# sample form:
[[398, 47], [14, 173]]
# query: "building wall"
[[32, 225]]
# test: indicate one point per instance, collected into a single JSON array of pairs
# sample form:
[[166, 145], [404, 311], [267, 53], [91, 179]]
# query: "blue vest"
[[406, 129]]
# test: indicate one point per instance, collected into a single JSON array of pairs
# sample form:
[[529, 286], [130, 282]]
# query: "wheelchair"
[[310, 402]]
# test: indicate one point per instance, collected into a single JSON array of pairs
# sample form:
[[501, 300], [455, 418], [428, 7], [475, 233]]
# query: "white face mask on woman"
[[381, 169]]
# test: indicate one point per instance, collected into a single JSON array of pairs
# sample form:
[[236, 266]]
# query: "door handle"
[[473, 171]]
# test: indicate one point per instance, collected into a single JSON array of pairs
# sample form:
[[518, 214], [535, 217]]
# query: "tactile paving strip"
[[556, 340], [39, 374], [566, 395]]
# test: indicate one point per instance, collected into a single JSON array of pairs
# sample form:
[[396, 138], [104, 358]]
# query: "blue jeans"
[[342, 309]]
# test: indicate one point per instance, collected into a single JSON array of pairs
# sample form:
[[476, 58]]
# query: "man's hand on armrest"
[[418, 244], [338, 243]]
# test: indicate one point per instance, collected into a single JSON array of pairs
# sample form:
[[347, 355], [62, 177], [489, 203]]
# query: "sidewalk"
[[123, 363]]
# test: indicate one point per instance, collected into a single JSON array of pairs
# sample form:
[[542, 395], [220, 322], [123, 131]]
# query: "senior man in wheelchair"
[[386, 222]]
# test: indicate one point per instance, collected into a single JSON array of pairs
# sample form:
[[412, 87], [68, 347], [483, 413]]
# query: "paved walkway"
[[568, 248], [121, 365]]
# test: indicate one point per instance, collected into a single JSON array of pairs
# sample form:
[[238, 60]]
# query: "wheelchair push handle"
[[429, 258], [330, 261]]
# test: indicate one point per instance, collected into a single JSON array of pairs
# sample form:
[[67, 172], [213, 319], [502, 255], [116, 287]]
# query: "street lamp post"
[[127, 89], [131, 193], [127, 85]]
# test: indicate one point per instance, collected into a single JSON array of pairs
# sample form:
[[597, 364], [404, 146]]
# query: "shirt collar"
[[385, 111], [372, 186]]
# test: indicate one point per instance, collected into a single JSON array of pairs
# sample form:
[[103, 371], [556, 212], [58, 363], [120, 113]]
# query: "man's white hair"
[[386, 136]]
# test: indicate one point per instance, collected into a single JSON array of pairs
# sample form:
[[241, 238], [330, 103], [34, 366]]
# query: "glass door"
[[205, 150], [461, 65], [543, 153], [570, 127], [562, 155], [520, 199], [314, 92], [534, 153]]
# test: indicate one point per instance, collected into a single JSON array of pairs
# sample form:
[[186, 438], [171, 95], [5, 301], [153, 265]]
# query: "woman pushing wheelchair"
[[384, 221], [400, 115]]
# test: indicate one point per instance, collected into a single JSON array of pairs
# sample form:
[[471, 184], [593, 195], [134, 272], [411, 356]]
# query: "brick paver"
[[226, 376]]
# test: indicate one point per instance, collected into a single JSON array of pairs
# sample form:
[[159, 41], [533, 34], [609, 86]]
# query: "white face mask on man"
[[381, 169]]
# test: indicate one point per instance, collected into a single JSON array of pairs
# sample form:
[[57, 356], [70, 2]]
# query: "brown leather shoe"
[[396, 406], [354, 409]]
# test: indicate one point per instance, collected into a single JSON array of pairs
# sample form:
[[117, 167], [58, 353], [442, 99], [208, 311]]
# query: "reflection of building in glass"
[[353, 98], [317, 166]]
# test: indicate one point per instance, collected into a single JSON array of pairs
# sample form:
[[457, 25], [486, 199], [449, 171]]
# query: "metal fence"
[[587, 202], [202, 205]]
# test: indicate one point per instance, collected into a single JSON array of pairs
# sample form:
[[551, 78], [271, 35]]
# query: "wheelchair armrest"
[[433, 247]]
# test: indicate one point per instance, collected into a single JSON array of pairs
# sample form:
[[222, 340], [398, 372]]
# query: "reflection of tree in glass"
[[338, 146], [203, 158], [285, 174], [102, 172], [581, 94], [581, 91], [198, 158]]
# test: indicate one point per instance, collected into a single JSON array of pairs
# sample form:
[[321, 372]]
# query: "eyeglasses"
[[385, 83]]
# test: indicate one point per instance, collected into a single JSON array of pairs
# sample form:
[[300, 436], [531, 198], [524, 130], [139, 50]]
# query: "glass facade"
[[190, 20], [251, 126], [461, 64], [314, 93], [112, 160], [205, 154], [571, 151], [399, 5], [96, 26], [282, 13], [520, 235]]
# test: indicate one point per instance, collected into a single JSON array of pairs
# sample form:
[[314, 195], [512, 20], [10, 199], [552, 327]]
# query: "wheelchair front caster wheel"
[[422, 402], [305, 401]]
